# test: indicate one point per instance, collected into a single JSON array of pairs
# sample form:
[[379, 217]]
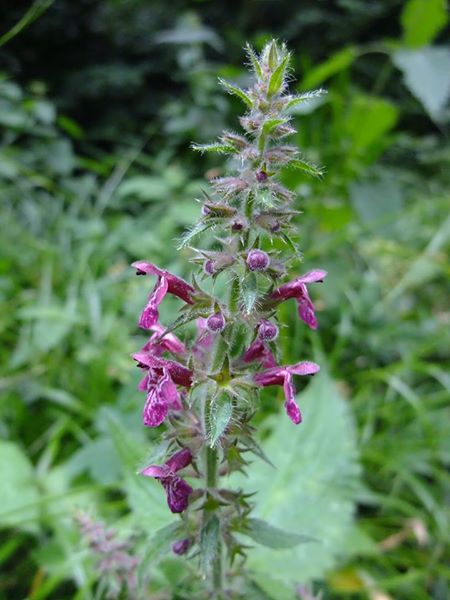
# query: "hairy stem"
[[211, 476]]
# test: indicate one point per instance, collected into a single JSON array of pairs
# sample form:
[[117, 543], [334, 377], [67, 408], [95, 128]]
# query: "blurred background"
[[99, 101]]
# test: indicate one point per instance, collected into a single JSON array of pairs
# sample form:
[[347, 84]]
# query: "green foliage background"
[[99, 101]]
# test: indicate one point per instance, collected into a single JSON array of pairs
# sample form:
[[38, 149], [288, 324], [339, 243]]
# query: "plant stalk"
[[212, 460]]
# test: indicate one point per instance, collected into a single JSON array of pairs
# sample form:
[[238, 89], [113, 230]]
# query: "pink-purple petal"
[[305, 367], [290, 405], [179, 460], [154, 471], [155, 409]]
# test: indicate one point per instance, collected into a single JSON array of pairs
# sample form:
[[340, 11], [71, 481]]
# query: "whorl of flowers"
[[206, 389]]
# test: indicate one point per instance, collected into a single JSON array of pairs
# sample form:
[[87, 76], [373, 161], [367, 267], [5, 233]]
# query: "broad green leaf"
[[145, 187], [19, 493], [273, 537], [313, 487], [158, 545], [249, 291], [277, 77], [219, 411], [337, 62], [369, 119], [236, 91], [427, 75], [422, 20], [209, 539]]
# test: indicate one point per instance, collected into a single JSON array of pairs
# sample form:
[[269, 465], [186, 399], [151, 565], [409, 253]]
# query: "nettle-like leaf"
[[304, 165], [236, 91], [277, 77], [218, 415], [249, 291], [273, 537], [214, 147], [209, 540], [311, 490], [306, 97], [254, 61]]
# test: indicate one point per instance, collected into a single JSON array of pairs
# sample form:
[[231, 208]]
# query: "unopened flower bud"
[[181, 546], [205, 210], [238, 224], [209, 267], [267, 331], [261, 176], [257, 260], [215, 322]]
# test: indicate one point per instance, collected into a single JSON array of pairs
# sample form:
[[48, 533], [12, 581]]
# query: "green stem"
[[212, 460]]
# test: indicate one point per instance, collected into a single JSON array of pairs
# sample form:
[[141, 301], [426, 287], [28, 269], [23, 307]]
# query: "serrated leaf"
[[214, 147], [277, 77], [306, 166], [272, 537], [249, 291], [158, 545], [236, 91], [254, 60], [218, 415], [209, 539], [313, 487]]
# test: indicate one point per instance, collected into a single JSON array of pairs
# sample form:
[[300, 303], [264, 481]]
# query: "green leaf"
[[158, 545], [209, 539], [277, 77], [267, 129], [422, 20], [273, 55], [19, 493], [303, 165], [193, 232], [306, 97], [368, 120], [272, 537], [249, 291], [337, 62], [215, 147], [218, 415], [313, 487], [236, 91], [254, 61], [427, 75]]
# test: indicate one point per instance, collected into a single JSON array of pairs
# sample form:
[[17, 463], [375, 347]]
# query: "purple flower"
[[283, 376], [215, 322], [257, 260], [161, 341], [259, 351], [180, 547], [177, 489], [166, 284], [297, 289], [160, 384], [267, 330]]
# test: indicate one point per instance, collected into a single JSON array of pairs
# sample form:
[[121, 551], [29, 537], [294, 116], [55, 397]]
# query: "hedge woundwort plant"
[[206, 391]]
